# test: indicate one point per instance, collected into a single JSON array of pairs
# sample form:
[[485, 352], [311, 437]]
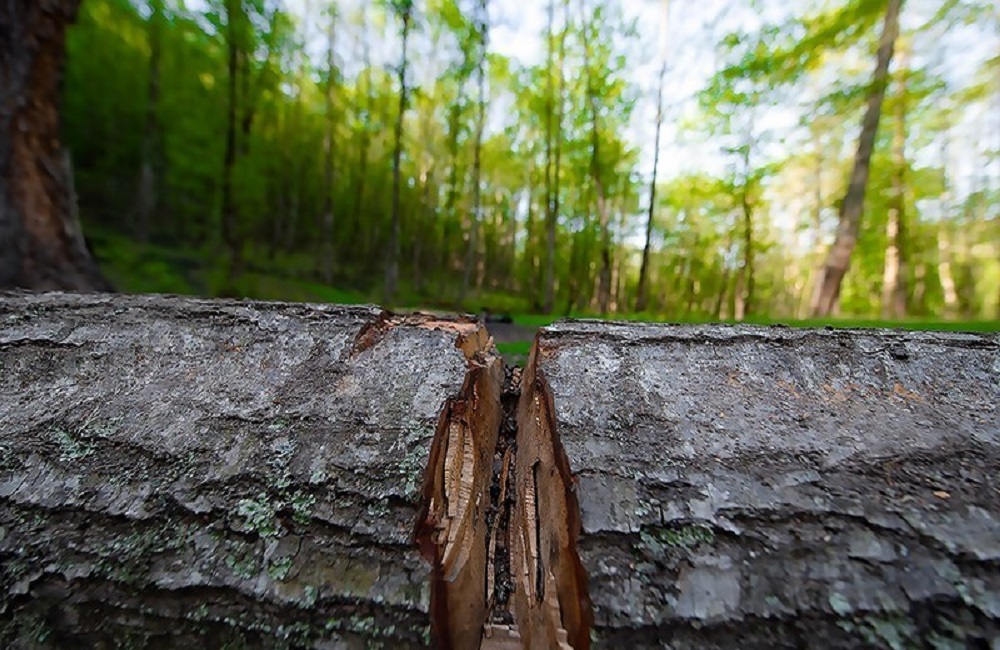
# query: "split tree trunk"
[[41, 244], [826, 295], [189, 473], [745, 487]]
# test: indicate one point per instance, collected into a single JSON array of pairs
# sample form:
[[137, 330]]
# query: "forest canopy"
[[683, 160]]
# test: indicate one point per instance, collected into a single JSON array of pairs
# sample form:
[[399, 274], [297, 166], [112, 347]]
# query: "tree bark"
[[190, 473], [827, 291], [41, 243], [745, 487]]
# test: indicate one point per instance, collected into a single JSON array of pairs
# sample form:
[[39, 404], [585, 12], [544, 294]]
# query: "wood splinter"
[[460, 530]]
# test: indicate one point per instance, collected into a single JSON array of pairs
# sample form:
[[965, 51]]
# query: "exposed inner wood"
[[551, 605], [452, 530], [501, 520]]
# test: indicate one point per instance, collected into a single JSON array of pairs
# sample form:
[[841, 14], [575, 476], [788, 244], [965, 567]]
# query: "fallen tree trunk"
[[768, 487], [190, 473]]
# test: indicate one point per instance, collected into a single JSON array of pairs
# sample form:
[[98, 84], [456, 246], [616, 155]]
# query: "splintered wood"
[[459, 473], [551, 606], [452, 531]]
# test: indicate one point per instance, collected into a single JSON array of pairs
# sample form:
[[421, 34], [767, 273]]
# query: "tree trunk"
[[213, 473], [552, 219], [816, 225], [393, 252], [41, 243], [748, 272], [146, 199], [470, 251], [894, 281], [827, 291], [220, 474], [553, 147], [329, 145], [604, 275], [230, 215], [641, 298], [747, 487], [361, 178], [451, 198]]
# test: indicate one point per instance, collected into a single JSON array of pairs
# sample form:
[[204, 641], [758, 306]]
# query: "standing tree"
[[329, 147], [230, 216], [603, 216], [482, 27], [894, 291], [41, 244], [146, 196], [553, 150], [642, 290], [827, 290], [404, 11]]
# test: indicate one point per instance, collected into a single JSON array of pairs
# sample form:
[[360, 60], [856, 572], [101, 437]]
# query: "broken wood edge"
[[471, 336], [552, 607], [451, 529]]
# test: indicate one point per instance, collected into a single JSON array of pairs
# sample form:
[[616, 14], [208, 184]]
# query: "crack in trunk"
[[500, 518]]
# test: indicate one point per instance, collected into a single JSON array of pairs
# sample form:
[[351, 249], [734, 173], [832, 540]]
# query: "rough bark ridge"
[[41, 244], [182, 473], [188, 473], [751, 487]]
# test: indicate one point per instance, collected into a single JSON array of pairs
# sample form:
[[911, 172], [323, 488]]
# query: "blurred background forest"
[[689, 161]]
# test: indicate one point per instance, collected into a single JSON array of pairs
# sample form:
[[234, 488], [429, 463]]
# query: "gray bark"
[[188, 473], [747, 487]]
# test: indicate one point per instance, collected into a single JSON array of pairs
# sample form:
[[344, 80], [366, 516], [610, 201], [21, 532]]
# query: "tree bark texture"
[[185, 473], [41, 244], [746, 487], [190, 473]]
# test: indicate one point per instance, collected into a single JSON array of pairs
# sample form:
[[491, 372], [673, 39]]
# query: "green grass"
[[518, 348], [150, 268]]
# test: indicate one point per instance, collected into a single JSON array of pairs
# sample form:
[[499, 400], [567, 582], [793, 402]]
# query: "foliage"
[[749, 229]]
